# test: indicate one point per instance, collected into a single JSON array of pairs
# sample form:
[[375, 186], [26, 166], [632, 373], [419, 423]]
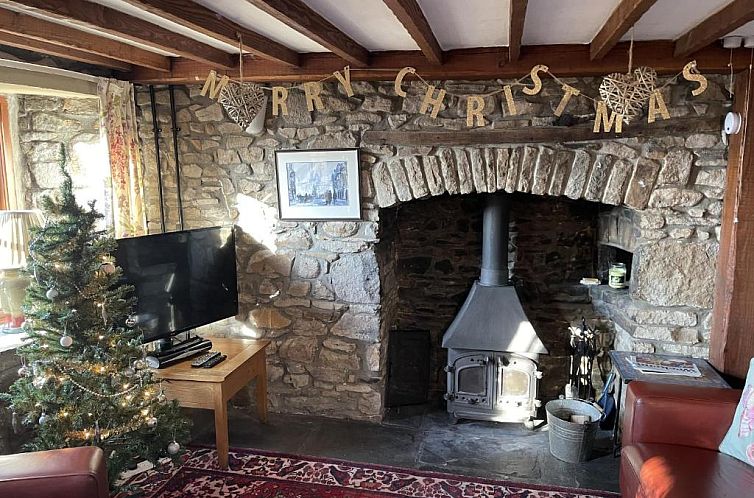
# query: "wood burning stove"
[[493, 350]]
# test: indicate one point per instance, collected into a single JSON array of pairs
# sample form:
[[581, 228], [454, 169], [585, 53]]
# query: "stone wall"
[[323, 292], [46, 124]]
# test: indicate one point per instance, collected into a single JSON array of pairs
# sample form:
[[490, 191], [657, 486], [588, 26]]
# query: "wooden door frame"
[[732, 335]]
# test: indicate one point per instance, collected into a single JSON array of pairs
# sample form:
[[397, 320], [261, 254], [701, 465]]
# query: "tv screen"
[[182, 279]]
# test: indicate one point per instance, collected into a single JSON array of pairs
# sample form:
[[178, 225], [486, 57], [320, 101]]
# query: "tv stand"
[[211, 388]]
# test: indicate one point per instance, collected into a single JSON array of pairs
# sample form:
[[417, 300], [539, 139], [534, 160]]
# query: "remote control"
[[201, 360], [214, 361]]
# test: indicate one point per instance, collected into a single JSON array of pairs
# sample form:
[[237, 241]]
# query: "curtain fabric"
[[118, 118]]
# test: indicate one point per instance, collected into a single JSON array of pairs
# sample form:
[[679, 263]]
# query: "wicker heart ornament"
[[627, 93], [242, 102]]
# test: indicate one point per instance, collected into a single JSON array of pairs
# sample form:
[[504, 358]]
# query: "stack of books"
[[664, 366]]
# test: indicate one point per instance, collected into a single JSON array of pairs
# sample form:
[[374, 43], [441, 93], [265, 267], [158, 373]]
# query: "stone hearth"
[[326, 293]]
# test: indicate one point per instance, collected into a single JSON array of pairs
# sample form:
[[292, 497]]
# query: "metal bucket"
[[570, 441]]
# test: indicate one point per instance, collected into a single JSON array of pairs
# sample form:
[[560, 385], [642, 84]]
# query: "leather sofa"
[[64, 473], [670, 438]]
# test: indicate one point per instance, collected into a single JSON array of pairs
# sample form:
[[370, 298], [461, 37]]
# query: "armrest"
[[674, 414], [64, 473]]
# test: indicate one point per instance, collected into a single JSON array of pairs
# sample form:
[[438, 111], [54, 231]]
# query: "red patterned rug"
[[275, 475]]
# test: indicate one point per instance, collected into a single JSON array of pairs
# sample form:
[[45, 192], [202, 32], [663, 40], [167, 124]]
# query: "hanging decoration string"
[[631, 52]]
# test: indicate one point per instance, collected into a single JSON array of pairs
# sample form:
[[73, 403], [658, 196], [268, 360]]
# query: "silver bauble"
[[131, 321], [66, 341], [161, 397], [43, 419], [108, 268], [24, 371], [152, 422], [52, 294], [129, 372], [174, 448]]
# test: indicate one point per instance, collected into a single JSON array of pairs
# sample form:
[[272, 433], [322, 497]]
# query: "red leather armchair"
[[64, 473], [670, 438]]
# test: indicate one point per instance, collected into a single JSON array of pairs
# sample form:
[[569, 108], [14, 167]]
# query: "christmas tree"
[[84, 380]]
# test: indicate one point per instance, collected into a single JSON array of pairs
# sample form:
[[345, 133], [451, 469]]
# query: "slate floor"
[[420, 439]]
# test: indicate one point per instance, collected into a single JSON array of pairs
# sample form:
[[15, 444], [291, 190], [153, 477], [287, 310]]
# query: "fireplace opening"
[[437, 245]]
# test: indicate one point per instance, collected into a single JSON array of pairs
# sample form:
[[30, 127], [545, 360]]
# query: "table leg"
[[261, 387], [221, 431]]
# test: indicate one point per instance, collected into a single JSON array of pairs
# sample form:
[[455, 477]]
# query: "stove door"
[[517, 382], [472, 380]]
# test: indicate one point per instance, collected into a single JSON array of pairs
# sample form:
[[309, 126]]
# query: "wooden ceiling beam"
[[306, 21], [623, 17], [410, 14], [203, 20], [729, 18], [131, 28], [57, 39], [517, 13], [73, 54], [472, 64]]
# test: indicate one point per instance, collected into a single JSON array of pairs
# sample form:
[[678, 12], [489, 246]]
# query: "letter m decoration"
[[213, 85], [605, 119]]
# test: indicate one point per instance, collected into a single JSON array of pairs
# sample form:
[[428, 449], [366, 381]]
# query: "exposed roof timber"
[[732, 16], [63, 52], [306, 21], [57, 39], [198, 18], [517, 16], [480, 63], [410, 14], [625, 15], [131, 28]]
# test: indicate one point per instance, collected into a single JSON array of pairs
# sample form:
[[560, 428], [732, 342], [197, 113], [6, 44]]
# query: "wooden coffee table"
[[211, 388]]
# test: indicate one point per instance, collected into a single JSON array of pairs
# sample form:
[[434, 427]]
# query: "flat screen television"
[[182, 280]]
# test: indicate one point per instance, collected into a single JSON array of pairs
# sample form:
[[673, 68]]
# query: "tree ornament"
[[174, 447], [97, 433], [161, 398], [42, 419], [131, 321], [66, 341], [24, 371], [39, 381], [14, 422], [140, 364], [129, 371], [52, 294], [152, 422], [108, 268]]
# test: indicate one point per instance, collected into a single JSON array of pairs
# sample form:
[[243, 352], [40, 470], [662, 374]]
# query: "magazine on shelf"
[[664, 366]]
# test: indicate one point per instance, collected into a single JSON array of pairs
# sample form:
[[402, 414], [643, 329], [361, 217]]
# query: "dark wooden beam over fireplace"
[[732, 337], [540, 134]]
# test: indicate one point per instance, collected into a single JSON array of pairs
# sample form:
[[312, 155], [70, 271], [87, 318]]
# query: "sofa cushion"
[[739, 441], [673, 471]]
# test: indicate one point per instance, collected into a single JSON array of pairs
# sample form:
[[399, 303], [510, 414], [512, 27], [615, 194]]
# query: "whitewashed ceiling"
[[455, 23]]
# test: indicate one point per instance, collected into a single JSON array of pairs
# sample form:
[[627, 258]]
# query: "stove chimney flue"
[[495, 241]]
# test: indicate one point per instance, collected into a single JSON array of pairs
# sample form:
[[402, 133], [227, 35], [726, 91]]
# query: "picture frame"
[[318, 185]]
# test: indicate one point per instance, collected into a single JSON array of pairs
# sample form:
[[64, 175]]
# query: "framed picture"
[[318, 184]]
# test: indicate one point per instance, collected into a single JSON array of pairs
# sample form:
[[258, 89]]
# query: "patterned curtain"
[[119, 124]]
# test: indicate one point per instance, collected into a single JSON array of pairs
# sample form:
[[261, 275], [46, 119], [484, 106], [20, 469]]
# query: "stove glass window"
[[471, 380], [515, 383]]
